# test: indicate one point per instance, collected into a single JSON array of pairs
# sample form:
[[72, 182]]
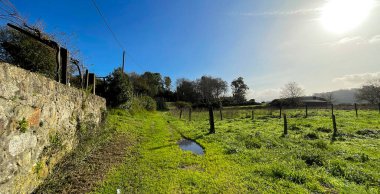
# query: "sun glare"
[[340, 16]]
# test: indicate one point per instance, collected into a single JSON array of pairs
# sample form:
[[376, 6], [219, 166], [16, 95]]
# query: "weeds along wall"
[[40, 122]]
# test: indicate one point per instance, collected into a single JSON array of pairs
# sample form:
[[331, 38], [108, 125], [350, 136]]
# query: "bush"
[[138, 104], [161, 104], [119, 89], [148, 103], [182, 104], [27, 53]]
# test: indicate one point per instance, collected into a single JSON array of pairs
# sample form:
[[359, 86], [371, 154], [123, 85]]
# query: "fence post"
[[280, 111], [306, 111], [332, 109], [221, 113], [64, 64], [190, 114], [180, 113], [86, 80], [335, 133], [285, 126], [356, 110], [211, 119], [92, 82], [253, 116], [379, 107]]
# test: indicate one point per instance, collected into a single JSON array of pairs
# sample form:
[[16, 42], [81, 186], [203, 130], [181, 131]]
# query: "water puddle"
[[189, 145]]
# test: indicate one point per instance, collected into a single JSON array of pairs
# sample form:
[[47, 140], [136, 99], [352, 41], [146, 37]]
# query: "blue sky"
[[268, 42]]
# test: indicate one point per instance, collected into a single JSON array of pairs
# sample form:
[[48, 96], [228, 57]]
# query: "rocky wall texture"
[[40, 120]]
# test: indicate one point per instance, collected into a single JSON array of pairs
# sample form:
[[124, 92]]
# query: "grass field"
[[248, 156]]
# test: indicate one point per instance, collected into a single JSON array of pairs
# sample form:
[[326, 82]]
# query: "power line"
[[107, 25], [113, 34]]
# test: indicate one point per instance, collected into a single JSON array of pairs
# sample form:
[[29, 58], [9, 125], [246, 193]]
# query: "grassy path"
[[157, 165]]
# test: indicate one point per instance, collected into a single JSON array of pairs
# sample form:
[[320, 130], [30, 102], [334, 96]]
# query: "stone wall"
[[39, 124]]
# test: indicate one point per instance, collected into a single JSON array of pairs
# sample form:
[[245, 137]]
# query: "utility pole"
[[122, 67]]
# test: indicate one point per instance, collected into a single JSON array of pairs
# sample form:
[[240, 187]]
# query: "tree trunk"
[[211, 119]]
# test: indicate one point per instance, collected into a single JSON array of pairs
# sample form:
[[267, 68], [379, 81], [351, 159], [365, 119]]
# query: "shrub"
[[182, 104], [148, 103], [119, 88], [161, 104], [138, 104]]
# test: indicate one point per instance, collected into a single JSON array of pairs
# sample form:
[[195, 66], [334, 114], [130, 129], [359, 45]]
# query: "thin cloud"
[[375, 39], [266, 95], [356, 80], [283, 13], [355, 40]]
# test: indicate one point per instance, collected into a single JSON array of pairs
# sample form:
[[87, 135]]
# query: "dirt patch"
[[80, 174]]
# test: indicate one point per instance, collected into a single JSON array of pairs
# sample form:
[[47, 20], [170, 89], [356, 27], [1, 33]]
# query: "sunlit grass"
[[248, 155]]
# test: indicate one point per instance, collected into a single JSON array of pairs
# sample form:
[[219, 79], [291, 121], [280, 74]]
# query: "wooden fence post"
[[332, 109], [190, 114], [86, 79], [379, 107], [92, 82], [65, 56], [335, 133], [180, 113], [356, 110], [306, 111], [285, 126], [280, 111], [253, 116], [221, 113], [211, 119]]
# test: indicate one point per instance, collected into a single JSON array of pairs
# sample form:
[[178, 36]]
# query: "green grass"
[[246, 156]]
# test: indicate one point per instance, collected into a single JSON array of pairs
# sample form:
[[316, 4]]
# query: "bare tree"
[[328, 96], [370, 92], [292, 92]]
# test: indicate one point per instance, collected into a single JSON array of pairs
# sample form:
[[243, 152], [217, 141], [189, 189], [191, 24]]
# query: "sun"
[[341, 16]]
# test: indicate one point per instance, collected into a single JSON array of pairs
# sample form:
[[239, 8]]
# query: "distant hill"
[[344, 96]]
